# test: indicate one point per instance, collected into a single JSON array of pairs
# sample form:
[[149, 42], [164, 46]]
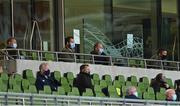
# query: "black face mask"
[[163, 57], [47, 72]]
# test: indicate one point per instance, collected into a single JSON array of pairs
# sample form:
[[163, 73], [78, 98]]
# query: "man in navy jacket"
[[132, 93]]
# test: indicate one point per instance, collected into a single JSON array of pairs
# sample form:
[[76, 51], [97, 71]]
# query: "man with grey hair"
[[131, 93]]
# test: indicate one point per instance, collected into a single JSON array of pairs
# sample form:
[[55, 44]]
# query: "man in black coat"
[[44, 78], [132, 93], [12, 44], [98, 50], [83, 79]]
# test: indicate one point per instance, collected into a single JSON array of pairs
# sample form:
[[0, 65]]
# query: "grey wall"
[[100, 69]]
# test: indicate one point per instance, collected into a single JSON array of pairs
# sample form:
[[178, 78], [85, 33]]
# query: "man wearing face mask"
[[12, 44], [69, 48], [99, 50], [132, 93], [171, 95], [44, 78], [83, 79]]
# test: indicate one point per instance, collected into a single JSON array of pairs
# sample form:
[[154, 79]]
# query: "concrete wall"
[[100, 69]]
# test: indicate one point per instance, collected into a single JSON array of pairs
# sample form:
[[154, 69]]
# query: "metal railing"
[[8, 98], [92, 59]]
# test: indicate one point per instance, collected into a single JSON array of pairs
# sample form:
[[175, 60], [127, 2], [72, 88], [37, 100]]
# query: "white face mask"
[[136, 94], [101, 50], [174, 97], [72, 45], [14, 45]]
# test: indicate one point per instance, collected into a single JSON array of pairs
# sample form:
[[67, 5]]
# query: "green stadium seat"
[[103, 83], [96, 79], [28, 74], [150, 89], [64, 81], [162, 90], [18, 78], [57, 75], [34, 56], [142, 86], [47, 90], [160, 96], [133, 80], [60, 91], [16, 89], [121, 79], [4, 77], [88, 92], [32, 89], [145, 80], [49, 57], [98, 91], [3, 87], [25, 84], [128, 83], [132, 63], [117, 84], [70, 77], [112, 92], [170, 82], [148, 96], [74, 92], [108, 79], [123, 90]]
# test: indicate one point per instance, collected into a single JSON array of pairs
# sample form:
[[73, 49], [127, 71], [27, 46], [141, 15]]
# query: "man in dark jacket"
[[98, 50], [83, 79], [12, 44], [69, 48], [44, 78], [132, 93]]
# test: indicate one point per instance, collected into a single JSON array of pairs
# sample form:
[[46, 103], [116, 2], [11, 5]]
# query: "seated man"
[[171, 95], [132, 93], [44, 78], [12, 44], [159, 82], [98, 50], [83, 79], [69, 48]]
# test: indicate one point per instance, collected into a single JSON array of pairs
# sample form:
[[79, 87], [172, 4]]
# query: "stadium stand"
[[20, 89]]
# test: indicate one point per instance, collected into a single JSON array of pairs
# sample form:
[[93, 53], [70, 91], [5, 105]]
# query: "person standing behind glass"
[[12, 44], [99, 50], [69, 48]]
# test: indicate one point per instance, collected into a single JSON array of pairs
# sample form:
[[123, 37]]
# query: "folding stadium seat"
[[74, 92], [103, 83], [70, 77], [144, 80], [132, 63], [117, 84], [142, 86], [133, 80], [18, 78], [28, 74], [140, 93], [162, 90], [65, 84], [160, 96], [108, 79], [34, 56], [46, 90], [98, 91], [3, 87], [95, 78], [15, 80], [60, 91], [121, 79], [88, 92], [32, 89], [123, 90], [4, 77], [170, 82], [25, 84], [148, 96], [49, 57], [57, 75], [128, 83], [16, 89], [112, 92]]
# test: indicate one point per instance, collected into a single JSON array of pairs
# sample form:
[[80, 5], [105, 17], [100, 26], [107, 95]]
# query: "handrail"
[[80, 99], [111, 60]]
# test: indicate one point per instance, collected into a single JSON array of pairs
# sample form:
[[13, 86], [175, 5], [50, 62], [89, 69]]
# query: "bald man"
[[171, 95], [132, 93]]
